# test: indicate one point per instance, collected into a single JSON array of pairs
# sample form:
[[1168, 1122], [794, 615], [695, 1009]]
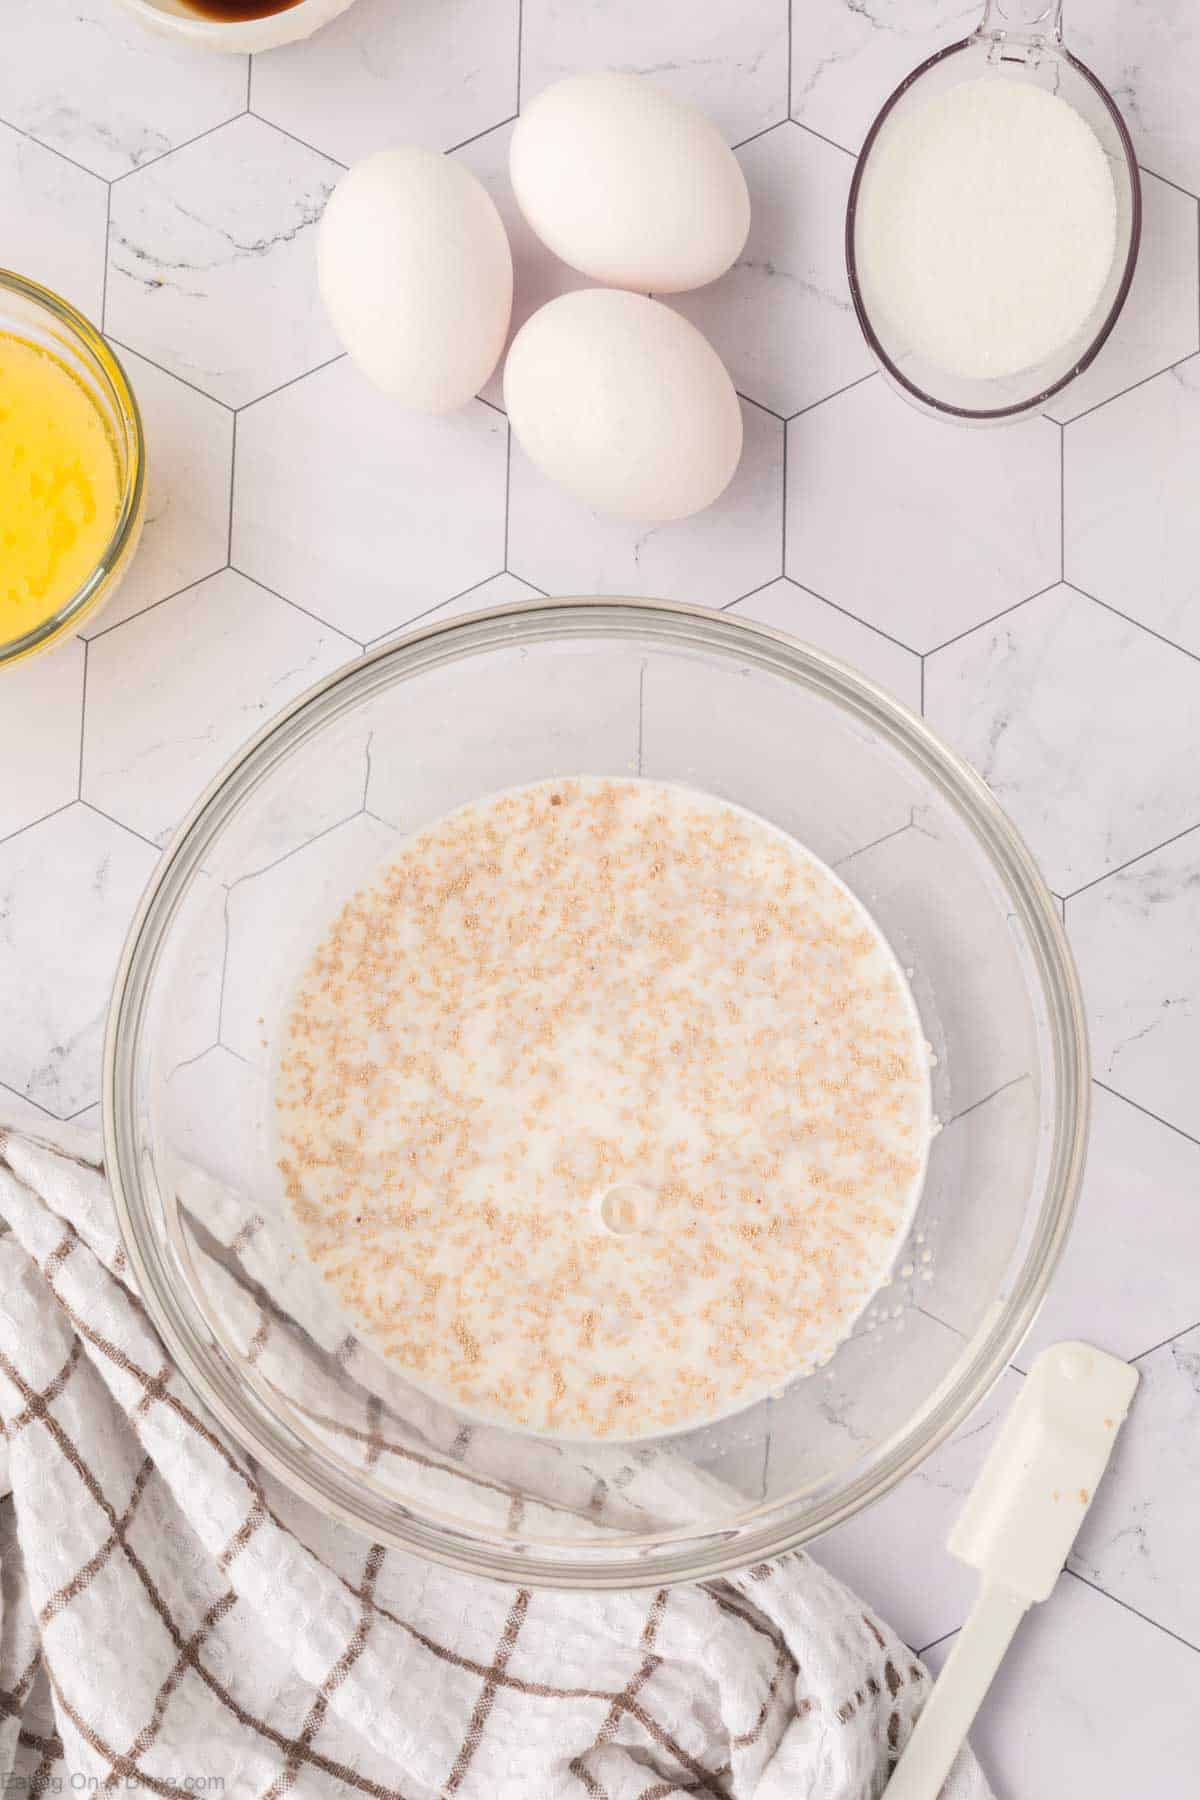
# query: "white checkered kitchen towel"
[[173, 1622]]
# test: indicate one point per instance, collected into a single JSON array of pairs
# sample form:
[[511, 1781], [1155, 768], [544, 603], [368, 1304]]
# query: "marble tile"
[[430, 72], [789, 608], [711, 559], [896, 1550], [1158, 323], [245, 652], [189, 440], [40, 723], [782, 317], [1148, 55], [501, 590], [305, 888], [728, 57], [1132, 529], [847, 58], [59, 944], [89, 80], [950, 526], [538, 275], [362, 512], [211, 261], [1136, 939], [1127, 1278], [1090, 1700], [1082, 725], [55, 219], [1138, 1540]]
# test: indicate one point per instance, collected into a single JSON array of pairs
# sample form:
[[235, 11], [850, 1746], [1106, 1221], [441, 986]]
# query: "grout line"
[[104, 271], [945, 1638], [1163, 1342], [54, 150], [304, 144], [290, 382], [762, 132], [232, 491], [152, 162], [871, 375], [783, 517], [507, 489], [993, 620], [1140, 857], [122, 825], [174, 374], [82, 717], [750, 592], [1138, 1107], [520, 47], [790, 11], [983, 1100], [325, 624], [1117, 1601], [847, 614], [832, 142], [922, 686], [1167, 369], [394, 630], [465, 143], [9, 837], [1167, 181], [1062, 503], [759, 405], [30, 1101], [249, 78], [224, 964], [874, 844], [95, 636], [1130, 620], [498, 410]]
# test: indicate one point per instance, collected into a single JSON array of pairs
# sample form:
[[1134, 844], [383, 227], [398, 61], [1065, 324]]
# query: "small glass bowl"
[[290, 830], [30, 311], [174, 18], [1002, 50]]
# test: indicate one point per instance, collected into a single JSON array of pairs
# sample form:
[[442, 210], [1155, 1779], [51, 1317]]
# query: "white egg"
[[628, 184], [624, 403], [416, 274]]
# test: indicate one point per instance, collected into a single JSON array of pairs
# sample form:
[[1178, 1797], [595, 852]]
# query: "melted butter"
[[59, 485]]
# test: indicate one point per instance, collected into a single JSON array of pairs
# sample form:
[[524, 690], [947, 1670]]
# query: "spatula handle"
[[942, 1727]]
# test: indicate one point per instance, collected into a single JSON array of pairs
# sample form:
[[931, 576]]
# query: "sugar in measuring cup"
[[994, 218]]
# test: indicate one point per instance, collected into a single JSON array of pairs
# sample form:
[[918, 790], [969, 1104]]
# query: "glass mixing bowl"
[[41, 317], [291, 829], [1016, 40]]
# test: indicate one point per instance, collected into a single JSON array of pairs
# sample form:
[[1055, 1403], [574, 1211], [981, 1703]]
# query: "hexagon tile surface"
[[1132, 527], [782, 318], [1082, 724], [86, 78], [1032, 589], [59, 943], [383, 74], [360, 512], [211, 268], [950, 527]]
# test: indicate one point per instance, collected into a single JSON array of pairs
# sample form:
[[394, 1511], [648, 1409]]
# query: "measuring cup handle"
[[1022, 21]]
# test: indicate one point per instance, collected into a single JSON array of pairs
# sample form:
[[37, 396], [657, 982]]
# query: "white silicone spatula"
[[1017, 1527]]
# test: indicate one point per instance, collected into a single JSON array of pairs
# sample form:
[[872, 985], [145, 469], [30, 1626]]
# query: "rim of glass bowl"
[[240, 1404], [1018, 407], [107, 365]]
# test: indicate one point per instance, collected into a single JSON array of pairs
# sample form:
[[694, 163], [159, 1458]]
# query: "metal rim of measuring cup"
[[1018, 407]]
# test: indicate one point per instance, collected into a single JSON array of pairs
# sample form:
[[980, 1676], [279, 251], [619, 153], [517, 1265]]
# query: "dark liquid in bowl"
[[238, 9]]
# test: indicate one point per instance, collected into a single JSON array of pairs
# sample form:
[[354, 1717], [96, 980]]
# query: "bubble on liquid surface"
[[626, 1209]]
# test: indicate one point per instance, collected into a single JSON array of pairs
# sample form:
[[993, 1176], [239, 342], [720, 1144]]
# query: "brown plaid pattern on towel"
[[174, 1622]]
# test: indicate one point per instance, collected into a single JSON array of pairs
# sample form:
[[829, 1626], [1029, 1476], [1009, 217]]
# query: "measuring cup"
[[1016, 40]]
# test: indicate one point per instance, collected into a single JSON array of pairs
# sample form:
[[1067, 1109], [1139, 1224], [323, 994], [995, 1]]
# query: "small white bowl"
[[177, 20]]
